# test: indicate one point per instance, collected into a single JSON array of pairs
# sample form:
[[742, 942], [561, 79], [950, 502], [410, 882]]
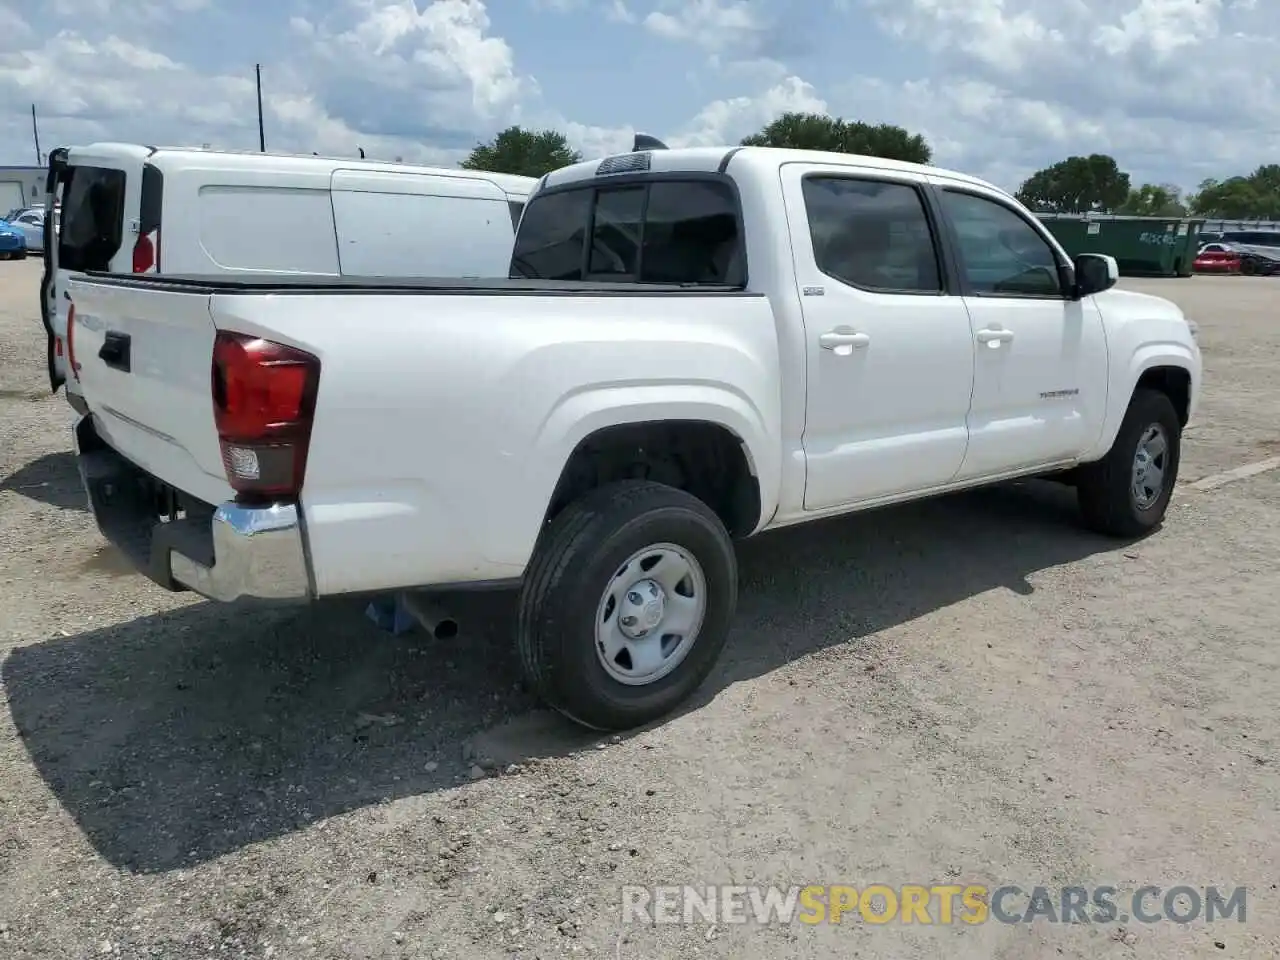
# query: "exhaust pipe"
[[433, 619]]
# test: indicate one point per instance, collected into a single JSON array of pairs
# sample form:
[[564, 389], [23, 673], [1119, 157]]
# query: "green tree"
[[1154, 200], [527, 153], [816, 131], [1255, 197], [1077, 185]]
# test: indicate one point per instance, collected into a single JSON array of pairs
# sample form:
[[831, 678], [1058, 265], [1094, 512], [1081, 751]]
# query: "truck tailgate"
[[144, 357]]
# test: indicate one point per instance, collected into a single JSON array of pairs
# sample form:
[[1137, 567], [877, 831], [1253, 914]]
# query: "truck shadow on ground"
[[51, 479], [176, 738]]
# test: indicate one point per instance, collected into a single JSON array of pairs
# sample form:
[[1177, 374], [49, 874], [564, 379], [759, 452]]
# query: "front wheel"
[[627, 604], [1126, 493]]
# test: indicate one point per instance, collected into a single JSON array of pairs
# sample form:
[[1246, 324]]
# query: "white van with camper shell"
[[131, 209]]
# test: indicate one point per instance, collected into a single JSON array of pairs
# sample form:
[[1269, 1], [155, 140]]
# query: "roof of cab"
[[758, 160], [509, 183]]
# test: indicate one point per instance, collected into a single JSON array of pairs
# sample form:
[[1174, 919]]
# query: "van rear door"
[[100, 188], [48, 289]]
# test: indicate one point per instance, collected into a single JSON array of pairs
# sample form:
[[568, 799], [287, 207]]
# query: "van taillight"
[[145, 257], [71, 341], [264, 397]]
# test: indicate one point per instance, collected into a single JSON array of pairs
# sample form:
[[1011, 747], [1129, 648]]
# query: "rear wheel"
[[627, 604], [1126, 493]]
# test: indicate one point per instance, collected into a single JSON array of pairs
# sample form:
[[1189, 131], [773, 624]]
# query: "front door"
[[888, 348], [1040, 375]]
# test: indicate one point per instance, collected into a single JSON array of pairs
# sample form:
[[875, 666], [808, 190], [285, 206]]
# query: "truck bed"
[[271, 283], [442, 420]]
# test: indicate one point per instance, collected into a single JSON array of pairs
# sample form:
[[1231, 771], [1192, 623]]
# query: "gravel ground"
[[980, 693]]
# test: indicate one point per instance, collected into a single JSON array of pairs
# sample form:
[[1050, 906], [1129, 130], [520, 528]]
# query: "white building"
[[20, 187]]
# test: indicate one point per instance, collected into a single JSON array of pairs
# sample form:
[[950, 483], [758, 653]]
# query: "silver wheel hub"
[[650, 614], [1149, 463], [643, 607]]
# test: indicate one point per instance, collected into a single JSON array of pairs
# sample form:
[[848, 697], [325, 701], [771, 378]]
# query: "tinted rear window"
[[667, 231], [615, 234], [92, 218]]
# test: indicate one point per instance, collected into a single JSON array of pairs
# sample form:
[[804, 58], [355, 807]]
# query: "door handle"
[[835, 339], [994, 336], [115, 351]]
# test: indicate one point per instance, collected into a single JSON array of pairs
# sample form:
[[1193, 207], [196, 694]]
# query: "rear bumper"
[[225, 553]]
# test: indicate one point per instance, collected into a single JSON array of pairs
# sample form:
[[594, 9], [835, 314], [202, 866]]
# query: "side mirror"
[[1095, 272]]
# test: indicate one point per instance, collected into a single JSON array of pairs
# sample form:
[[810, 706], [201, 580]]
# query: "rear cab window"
[[672, 230], [872, 234], [92, 218]]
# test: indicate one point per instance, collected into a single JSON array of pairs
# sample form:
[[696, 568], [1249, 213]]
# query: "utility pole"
[[35, 132], [262, 136]]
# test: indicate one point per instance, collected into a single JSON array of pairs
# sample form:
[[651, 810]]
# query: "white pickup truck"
[[752, 338]]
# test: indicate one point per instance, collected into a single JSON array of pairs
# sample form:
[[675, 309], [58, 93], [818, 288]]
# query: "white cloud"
[[1018, 83], [619, 12], [716, 25], [14, 30], [426, 57], [998, 87], [727, 121]]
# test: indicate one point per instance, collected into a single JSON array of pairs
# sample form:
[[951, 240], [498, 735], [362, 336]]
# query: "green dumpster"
[[1142, 246], [1190, 245]]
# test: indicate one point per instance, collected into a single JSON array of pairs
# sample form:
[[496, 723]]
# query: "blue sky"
[[998, 87]]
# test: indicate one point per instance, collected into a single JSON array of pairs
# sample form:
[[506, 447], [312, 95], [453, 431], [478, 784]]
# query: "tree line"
[[1078, 184], [1096, 184]]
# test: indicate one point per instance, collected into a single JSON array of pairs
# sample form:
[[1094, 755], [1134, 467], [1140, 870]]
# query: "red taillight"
[[145, 258], [264, 395], [71, 341]]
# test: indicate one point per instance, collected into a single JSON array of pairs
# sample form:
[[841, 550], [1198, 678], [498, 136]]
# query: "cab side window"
[[872, 234], [1001, 254]]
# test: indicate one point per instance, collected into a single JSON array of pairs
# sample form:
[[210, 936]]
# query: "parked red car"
[[1216, 258]]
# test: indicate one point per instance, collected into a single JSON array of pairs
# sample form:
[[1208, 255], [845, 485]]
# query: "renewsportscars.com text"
[[939, 904]]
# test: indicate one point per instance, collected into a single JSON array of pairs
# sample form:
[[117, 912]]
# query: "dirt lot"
[[965, 691]]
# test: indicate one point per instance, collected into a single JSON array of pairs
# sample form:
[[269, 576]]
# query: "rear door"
[[890, 357], [101, 197]]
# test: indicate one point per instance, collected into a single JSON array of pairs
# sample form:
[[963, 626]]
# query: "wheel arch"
[[703, 457], [1168, 368]]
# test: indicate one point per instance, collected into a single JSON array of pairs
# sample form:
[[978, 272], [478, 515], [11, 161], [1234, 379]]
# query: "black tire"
[[1105, 488], [576, 559]]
